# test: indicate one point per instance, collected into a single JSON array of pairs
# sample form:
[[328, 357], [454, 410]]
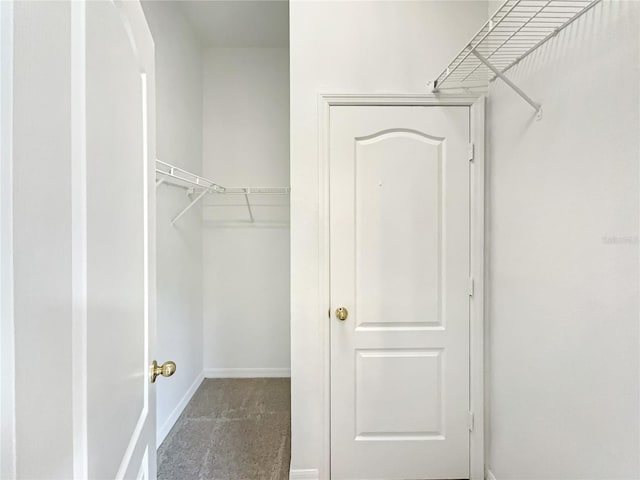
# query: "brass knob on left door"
[[342, 313], [166, 370]]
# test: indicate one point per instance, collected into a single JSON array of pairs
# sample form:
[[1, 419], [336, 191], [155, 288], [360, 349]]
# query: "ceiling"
[[239, 23]]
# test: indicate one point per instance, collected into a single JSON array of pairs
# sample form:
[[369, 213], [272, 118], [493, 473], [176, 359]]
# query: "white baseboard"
[[246, 372], [162, 432], [306, 474], [490, 475]]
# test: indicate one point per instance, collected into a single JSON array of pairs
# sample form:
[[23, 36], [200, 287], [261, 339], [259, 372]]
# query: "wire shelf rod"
[[200, 186], [515, 32], [516, 29], [246, 198], [553, 34]]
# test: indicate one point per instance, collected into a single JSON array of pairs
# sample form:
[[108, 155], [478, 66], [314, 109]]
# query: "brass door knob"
[[166, 370], [342, 313]]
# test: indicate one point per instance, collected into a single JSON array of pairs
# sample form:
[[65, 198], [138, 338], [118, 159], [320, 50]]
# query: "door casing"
[[7, 330], [476, 106]]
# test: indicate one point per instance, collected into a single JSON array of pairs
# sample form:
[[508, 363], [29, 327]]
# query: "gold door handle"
[[342, 313], [166, 370]]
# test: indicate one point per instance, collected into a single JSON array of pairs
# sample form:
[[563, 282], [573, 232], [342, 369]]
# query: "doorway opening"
[[222, 227]]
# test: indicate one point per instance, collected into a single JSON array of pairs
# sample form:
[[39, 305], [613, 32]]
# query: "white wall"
[[563, 260], [347, 47], [179, 248], [41, 210], [246, 267]]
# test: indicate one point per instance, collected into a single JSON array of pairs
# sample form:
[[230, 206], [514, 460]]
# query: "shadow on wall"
[[564, 57]]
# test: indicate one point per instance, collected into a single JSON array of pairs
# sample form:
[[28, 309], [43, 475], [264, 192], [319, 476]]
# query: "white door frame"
[[7, 331], [476, 106]]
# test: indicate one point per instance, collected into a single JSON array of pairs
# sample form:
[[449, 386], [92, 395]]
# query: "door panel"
[[392, 202], [120, 148], [399, 208], [398, 394]]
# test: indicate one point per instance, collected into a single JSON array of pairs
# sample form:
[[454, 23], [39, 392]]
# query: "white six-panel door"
[[400, 250], [114, 137]]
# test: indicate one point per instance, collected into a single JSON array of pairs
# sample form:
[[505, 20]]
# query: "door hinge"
[[471, 421], [471, 286], [471, 152]]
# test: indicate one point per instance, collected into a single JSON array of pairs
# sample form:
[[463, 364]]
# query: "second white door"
[[399, 220]]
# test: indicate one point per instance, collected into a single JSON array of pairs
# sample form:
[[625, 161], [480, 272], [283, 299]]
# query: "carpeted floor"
[[232, 429]]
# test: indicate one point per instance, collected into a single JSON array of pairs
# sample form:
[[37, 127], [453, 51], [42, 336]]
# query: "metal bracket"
[[246, 197], [200, 186], [537, 107], [186, 209]]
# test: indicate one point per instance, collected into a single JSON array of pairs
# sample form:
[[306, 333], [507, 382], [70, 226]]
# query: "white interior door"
[[400, 213], [119, 238]]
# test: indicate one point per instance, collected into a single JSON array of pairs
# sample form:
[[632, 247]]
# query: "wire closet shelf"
[[516, 29], [198, 187]]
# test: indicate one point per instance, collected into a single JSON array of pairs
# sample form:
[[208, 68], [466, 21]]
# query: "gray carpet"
[[232, 429]]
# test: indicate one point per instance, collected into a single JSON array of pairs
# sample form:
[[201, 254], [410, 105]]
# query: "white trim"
[[476, 346], [171, 420], [638, 179], [324, 107], [145, 237], [7, 325], [79, 241], [305, 474], [490, 475], [412, 99], [478, 326], [247, 372], [143, 473]]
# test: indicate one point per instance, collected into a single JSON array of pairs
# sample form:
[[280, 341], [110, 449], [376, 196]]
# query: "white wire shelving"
[[512, 33], [197, 187]]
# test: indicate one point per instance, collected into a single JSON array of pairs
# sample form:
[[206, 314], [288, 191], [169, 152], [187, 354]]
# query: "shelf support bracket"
[[246, 197], [537, 107], [186, 209]]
